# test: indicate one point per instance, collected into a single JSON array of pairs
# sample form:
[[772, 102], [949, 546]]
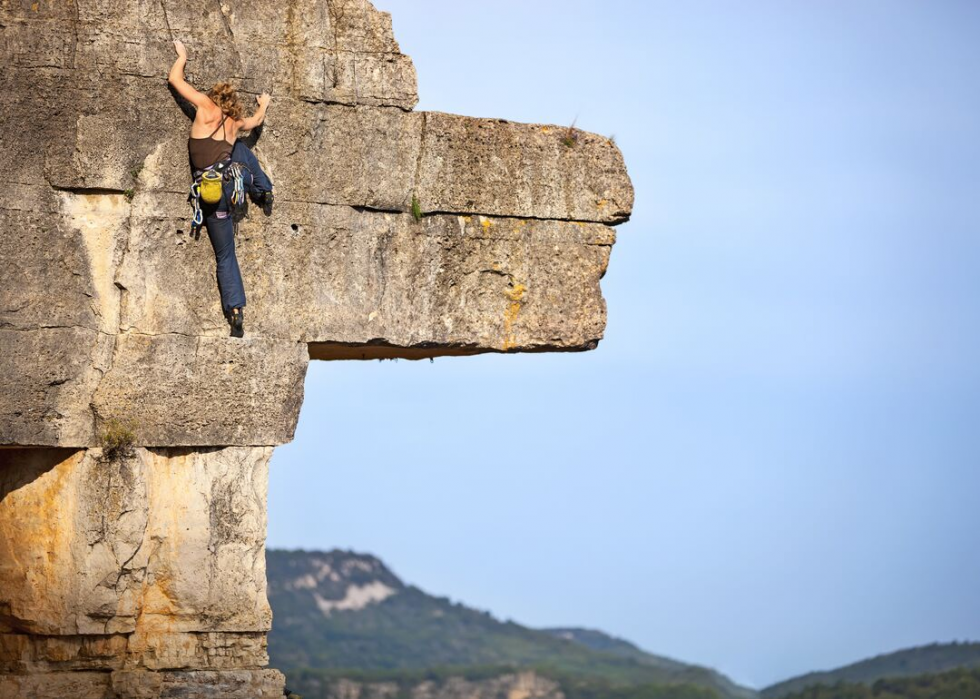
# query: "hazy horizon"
[[770, 464]]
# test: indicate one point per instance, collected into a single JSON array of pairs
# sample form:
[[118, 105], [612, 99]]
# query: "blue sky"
[[771, 464]]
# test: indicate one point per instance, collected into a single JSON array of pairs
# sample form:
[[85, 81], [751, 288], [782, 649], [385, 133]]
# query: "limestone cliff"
[[142, 574]]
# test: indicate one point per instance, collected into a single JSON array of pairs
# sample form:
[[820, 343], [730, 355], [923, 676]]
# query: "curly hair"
[[225, 96]]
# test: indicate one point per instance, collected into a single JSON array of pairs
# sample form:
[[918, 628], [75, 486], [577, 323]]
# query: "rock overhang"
[[109, 308], [114, 313]]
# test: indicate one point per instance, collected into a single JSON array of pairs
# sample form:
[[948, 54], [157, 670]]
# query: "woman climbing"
[[215, 152]]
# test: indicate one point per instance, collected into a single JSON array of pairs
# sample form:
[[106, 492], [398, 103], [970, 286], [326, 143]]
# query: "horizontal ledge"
[[333, 351]]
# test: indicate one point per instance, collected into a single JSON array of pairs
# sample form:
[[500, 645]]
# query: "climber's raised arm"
[[259, 116], [176, 78]]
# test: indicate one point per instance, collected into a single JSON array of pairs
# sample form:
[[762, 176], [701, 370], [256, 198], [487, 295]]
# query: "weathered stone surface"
[[349, 276], [25, 653], [351, 156], [131, 289], [71, 368], [496, 167], [164, 546], [189, 390], [140, 684], [228, 684], [339, 51], [56, 685], [49, 376], [200, 391]]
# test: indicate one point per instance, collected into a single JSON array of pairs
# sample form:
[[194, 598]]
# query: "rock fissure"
[[166, 19]]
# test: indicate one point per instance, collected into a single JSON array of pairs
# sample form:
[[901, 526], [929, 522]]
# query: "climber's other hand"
[[264, 99], [179, 48]]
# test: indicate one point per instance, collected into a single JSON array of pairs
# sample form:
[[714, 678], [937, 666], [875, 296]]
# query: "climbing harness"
[[208, 187]]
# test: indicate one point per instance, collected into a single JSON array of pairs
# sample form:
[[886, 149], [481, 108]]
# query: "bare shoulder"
[[209, 111], [235, 128], [208, 116]]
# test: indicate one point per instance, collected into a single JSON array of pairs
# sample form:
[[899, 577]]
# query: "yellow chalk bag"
[[211, 187]]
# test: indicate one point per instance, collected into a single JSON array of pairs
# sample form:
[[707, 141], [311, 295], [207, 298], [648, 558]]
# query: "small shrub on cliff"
[[117, 438], [570, 138]]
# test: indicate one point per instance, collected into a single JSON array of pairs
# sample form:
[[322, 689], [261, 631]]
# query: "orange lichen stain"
[[485, 223], [37, 512], [601, 203], [516, 295], [516, 292], [156, 616], [545, 129], [34, 7], [36, 534]]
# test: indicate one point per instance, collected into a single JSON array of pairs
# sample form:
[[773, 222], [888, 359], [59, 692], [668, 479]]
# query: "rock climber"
[[220, 161]]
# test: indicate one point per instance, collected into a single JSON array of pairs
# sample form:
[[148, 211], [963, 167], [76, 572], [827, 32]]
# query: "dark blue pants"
[[221, 232], [259, 182], [221, 228]]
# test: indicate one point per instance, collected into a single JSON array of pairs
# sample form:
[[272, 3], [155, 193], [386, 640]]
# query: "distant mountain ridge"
[[339, 611], [603, 642], [931, 659], [340, 614]]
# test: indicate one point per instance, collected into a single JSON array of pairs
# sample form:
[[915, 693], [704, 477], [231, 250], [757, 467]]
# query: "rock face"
[[141, 573]]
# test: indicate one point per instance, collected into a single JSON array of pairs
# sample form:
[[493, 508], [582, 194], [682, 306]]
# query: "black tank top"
[[205, 152]]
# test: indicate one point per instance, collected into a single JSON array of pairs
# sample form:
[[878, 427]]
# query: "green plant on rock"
[[570, 137], [118, 438], [129, 193], [416, 208]]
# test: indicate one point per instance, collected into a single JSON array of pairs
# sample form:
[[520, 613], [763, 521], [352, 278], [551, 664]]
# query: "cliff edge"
[[140, 572]]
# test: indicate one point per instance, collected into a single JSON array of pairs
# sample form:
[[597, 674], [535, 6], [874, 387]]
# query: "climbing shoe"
[[236, 318], [267, 203]]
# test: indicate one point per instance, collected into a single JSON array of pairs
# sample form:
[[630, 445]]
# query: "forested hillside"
[[954, 684], [340, 614], [934, 658]]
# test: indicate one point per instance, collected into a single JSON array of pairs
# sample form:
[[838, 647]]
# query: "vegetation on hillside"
[[934, 658], [321, 684], [411, 632], [953, 684]]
